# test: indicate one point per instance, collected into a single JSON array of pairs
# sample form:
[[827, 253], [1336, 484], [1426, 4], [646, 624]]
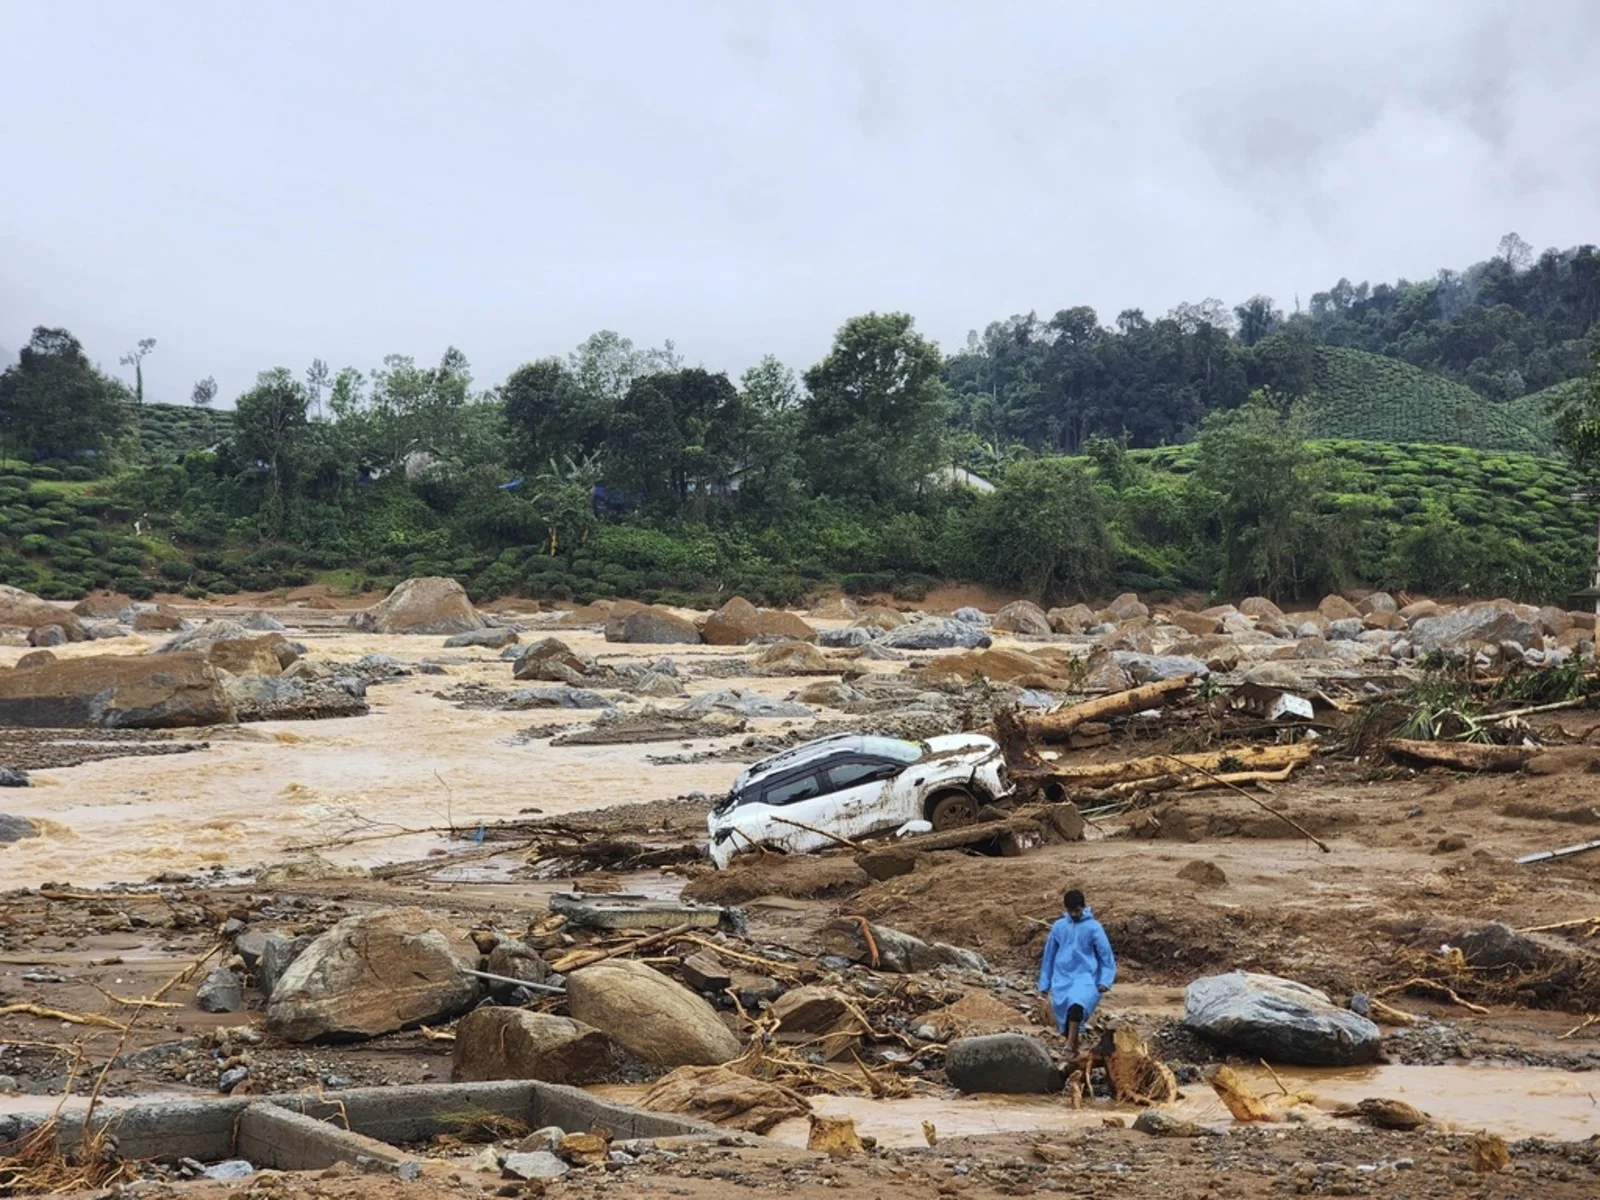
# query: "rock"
[[726, 1098], [1023, 616], [35, 658], [1276, 675], [1203, 872], [1126, 607], [848, 637], [881, 618], [308, 867], [1072, 620], [430, 605], [277, 952], [651, 626], [1419, 610], [1157, 1123], [115, 691], [374, 974], [24, 610], [493, 637], [233, 1168], [1346, 629], [1196, 624], [1378, 602], [900, 952], [201, 638], [745, 704], [1002, 1062], [776, 625], [281, 698], [47, 635], [14, 828], [514, 1043], [105, 606], [534, 1164], [793, 658], [1454, 632], [938, 635], [1260, 608], [824, 1015], [1392, 1114], [260, 622], [1151, 668], [972, 616], [1337, 608], [222, 991], [650, 1016], [1554, 621], [247, 655], [734, 624], [1277, 1019], [704, 972], [514, 960], [163, 618], [1497, 947], [1383, 620], [552, 660], [564, 696], [828, 694], [654, 685], [834, 608]]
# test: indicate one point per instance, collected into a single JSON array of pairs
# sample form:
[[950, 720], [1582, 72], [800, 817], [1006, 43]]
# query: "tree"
[[317, 380], [269, 424], [677, 437], [1577, 418], [54, 402], [873, 424], [1515, 252], [205, 391], [550, 413], [135, 358], [1043, 531], [1262, 486], [771, 397], [1258, 317]]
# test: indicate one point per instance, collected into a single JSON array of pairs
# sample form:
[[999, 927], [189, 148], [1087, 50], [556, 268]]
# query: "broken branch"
[[57, 1014], [587, 958], [1056, 725]]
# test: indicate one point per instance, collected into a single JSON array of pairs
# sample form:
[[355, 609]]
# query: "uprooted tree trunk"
[[1462, 756], [1055, 726], [1218, 763]]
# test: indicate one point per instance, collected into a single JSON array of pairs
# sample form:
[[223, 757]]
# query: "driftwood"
[[588, 957], [1054, 726], [1462, 756], [1101, 775]]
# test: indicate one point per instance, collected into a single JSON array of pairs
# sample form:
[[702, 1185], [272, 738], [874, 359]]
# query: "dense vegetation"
[[1227, 452]]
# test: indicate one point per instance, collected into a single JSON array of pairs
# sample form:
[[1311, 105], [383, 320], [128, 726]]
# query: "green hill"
[[168, 431], [1367, 397]]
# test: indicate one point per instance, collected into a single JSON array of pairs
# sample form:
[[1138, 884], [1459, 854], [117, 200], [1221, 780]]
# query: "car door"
[[854, 796]]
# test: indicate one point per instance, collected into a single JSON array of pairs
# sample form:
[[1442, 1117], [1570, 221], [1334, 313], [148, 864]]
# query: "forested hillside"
[[1365, 441]]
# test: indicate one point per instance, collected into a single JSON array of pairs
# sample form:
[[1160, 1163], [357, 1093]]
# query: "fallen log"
[[1055, 726], [577, 959], [1462, 756], [1230, 762]]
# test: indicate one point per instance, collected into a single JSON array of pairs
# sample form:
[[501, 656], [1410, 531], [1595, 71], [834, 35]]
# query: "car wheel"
[[948, 810]]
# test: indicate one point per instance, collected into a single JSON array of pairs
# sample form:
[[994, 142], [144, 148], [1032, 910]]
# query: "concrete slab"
[[627, 911], [270, 1136]]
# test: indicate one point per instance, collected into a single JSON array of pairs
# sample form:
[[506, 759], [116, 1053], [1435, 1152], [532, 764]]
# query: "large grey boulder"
[[552, 661], [1002, 1062], [650, 1016], [1279, 1020], [560, 696], [14, 828], [1021, 616], [1496, 622], [897, 951], [292, 698], [938, 635], [848, 637], [652, 626], [374, 974], [1151, 668], [430, 605], [745, 704], [493, 637], [513, 1043]]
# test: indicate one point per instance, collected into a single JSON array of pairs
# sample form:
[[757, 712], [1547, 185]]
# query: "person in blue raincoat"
[[1078, 967]]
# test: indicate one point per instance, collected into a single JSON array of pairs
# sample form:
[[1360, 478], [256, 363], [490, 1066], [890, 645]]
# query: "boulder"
[[1072, 620], [777, 625], [734, 624], [278, 952], [617, 616], [48, 635], [514, 1043], [899, 952], [1495, 622], [882, 618], [1279, 1020], [829, 694], [561, 696], [111, 691], [650, 1016], [551, 660], [282, 698], [1158, 1123], [222, 991], [260, 622], [938, 635], [1260, 607], [247, 655], [35, 658], [1002, 1062], [848, 637], [1126, 607], [1337, 608], [973, 616], [793, 658], [1554, 621], [201, 638], [652, 626], [1151, 668], [514, 960], [14, 828], [834, 608], [430, 605], [373, 974], [1023, 616], [492, 637], [24, 610], [163, 618], [823, 1016], [105, 606], [1378, 602], [1346, 629], [725, 1097], [745, 703], [1387, 621], [1418, 610], [1196, 624]]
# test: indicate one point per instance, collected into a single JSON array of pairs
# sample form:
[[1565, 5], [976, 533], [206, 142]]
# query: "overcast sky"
[[263, 184]]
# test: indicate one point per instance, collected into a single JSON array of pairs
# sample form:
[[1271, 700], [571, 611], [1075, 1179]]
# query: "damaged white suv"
[[851, 785]]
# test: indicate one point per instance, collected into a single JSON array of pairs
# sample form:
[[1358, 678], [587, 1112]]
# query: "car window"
[[792, 790], [849, 774]]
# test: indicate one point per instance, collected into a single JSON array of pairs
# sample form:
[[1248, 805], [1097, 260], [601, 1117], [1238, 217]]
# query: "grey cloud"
[[254, 187]]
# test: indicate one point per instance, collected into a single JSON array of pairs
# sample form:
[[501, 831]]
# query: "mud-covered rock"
[[1021, 616], [552, 660], [651, 626], [514, 1043], [163, 618], [372, 974], [282, 698], [23, 610], [650, 1016], [491, 637], [430, 605], [793, 658], [745, 703], [1279, 1020], [1002, 1062], [115, 691]]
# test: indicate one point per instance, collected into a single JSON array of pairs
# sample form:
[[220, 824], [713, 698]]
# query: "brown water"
[[414, 763]]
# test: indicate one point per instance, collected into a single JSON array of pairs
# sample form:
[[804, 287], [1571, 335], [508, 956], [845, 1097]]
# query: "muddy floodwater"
[[261, 791]]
